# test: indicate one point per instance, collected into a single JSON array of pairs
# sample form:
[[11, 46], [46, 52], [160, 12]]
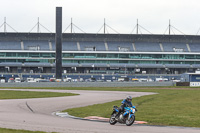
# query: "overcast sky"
[[89, 15]]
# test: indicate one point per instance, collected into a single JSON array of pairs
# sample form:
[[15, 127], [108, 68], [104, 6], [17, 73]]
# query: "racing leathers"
[[125, 103]]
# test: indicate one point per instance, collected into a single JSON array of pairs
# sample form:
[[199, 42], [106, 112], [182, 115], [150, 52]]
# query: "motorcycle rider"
[[125, 103]]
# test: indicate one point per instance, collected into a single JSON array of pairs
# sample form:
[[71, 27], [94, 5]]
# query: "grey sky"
[[89, 15]]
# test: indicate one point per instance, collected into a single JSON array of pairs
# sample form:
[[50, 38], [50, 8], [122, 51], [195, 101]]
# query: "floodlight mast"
[[169, 27], [58, 39], [71, 25], [38, 25], [4, 24], [104, 26], [137, 27]]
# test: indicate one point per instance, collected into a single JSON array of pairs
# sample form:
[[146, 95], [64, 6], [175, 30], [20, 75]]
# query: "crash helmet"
[[129, 98]]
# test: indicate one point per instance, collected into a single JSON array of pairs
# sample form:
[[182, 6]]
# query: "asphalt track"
[[36, 114]]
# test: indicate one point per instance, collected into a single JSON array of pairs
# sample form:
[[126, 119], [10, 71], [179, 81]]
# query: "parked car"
[[67, 80], [2, 80], [18, 80], [43, 80], [30, 80], [52, 80], [11, 80]]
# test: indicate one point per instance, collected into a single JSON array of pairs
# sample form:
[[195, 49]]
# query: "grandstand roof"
[[102, 37]]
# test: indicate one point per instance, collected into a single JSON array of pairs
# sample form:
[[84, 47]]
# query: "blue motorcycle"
[[127, 117]]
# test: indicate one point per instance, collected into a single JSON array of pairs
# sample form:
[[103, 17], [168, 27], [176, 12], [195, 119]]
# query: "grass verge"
[[4, 130], [171, 107], [6, 94]]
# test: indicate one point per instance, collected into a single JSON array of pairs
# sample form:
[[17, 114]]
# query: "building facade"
[[100, 53]]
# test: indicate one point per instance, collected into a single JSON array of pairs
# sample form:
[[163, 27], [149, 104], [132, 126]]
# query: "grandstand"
[[100, 53]]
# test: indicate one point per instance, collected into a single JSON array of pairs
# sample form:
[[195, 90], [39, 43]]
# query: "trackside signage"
[[194, 84]]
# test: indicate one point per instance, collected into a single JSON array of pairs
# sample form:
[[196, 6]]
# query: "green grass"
[[169, 107], [4, 130], [6, 94]]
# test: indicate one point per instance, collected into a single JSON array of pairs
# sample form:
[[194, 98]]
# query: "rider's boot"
[[118, 114]]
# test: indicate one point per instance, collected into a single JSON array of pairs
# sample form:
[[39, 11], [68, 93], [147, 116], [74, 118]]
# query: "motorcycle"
[[127, 117]]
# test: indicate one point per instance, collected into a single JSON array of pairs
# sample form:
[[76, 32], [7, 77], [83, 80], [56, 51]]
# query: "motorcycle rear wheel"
[[130, 121], [112, 120]]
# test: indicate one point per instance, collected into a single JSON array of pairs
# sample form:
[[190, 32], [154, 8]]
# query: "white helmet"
[[129, 98]]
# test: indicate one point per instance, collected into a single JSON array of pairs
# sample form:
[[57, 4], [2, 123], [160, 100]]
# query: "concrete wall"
[[86, 84]]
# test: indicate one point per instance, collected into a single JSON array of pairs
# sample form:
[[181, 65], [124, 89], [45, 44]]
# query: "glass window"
[[101, 61], [10, 60], [2, 54], [112, 56], [189, 62], [89, 61], [123, 61], [198, 56], [45, 55], [68, 55], [22, 55], [197, 62], [171, 56], [113, 61], [101, 55], [51, 61], [79, 55], [10, 54], [148, 62], [146, 56], [34, 55], [67, 61], [134, 62], [88, 55], [189, 57], [135, 56], [123, 55]]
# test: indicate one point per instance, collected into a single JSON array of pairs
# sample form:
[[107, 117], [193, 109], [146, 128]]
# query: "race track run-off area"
[[37, 114]]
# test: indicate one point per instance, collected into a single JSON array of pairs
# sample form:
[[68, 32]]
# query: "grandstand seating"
[[10, 45], [147, 47], [69, 46], [93, 64], [66, 46], [150, 66], [70, 64], [13, 64], [196, 65], [121, 65], [92, 46], [36, 45], [194, 47], [112, 52], [177, 65], [30, 64], [175, 47], [120, 46], [130, 65]]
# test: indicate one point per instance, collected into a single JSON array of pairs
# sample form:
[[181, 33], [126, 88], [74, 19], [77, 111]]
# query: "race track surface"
[[36, 114]]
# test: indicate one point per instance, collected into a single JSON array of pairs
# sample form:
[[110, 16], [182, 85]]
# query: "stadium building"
[[100, 53]]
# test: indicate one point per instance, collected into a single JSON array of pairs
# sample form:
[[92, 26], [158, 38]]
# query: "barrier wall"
[[86, 84]]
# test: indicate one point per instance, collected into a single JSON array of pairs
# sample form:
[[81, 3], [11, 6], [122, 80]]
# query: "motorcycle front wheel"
[[112, 120], [130, 121]]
